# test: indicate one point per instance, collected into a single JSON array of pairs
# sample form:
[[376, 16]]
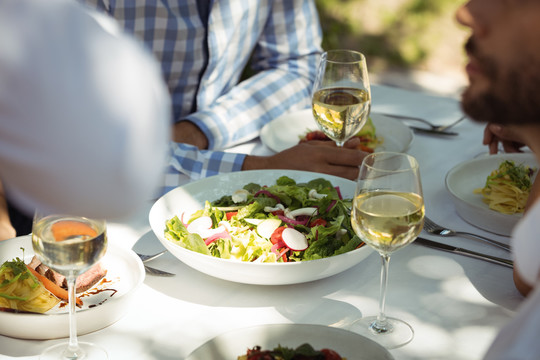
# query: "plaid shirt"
[[202, 66]]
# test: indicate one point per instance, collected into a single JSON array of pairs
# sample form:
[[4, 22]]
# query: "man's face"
[[504, 60]]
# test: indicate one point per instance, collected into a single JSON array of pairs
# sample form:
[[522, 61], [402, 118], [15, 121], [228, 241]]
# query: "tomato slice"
[[231, 214], [318, 222], [277, 235], [330, 354]]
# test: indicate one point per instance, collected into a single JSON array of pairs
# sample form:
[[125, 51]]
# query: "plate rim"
[[291, 327], [115, 252], [479, 208], [375, 117]]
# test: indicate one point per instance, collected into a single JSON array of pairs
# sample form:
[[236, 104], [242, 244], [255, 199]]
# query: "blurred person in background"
[[504, 84], [204, 47], [84, 115]]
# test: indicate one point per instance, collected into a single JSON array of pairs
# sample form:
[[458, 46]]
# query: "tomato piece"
[[330, 354], [318, 222], [316, 135], [231, 214], [365, 148], [277, 235], [278, 212]]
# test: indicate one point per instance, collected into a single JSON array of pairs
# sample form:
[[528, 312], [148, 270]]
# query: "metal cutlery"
[[146, 258], [151, 270], [157, 272], [435, 229], [434, 132], [465, 252], [433, 129]]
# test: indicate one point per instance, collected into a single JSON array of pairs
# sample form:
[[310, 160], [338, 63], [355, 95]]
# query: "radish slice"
[[267, 227], [206, 233], [200, 224], [254, 221], [240, 196], [294, 239]]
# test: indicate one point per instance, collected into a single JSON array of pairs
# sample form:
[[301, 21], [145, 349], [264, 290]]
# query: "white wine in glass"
[[341, 99], [388, 214], [70, 245]]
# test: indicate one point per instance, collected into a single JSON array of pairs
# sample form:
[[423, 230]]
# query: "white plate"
[[464, 178], [125, 273], [191, 197], [234, 343], [285, 131]]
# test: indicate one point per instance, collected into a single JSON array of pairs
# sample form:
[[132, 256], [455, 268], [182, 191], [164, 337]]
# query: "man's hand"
[[189, 133], [509, 136], [317, 156]]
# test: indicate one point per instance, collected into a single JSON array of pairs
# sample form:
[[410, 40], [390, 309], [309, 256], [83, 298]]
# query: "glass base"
[[86, 351], [391, 334]]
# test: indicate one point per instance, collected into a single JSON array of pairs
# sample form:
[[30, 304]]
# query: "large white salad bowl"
[[191, 197]]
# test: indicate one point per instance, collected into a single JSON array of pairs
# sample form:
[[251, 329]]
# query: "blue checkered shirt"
[[202, 66]]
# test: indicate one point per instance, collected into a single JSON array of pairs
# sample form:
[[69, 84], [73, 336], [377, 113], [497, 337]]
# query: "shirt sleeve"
[[188, 163], [285, 59], [526, 245]]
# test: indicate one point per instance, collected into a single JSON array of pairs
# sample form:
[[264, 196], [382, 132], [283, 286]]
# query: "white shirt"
[[519, 338], [84, 113]]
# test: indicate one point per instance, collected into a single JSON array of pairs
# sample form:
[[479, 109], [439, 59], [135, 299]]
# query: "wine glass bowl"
[[387, 214], [341, 98], [70, 245]]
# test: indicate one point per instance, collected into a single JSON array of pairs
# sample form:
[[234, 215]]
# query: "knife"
[[465, 252], [431, 131], [156, 272]]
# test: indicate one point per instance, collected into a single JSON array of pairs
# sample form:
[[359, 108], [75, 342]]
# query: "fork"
[[436, 229], [146, 258], [434, 128], [151, 270]]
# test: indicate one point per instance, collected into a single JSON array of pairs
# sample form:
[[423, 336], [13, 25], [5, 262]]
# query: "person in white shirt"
[[504, 91], [84, 113]]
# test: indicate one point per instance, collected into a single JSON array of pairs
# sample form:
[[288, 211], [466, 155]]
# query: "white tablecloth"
[[455, 304]]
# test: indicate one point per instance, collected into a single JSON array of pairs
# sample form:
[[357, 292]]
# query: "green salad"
[[287, 221]]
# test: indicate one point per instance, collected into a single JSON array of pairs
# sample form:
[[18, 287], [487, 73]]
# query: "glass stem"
[[381, 325], [73, 350]]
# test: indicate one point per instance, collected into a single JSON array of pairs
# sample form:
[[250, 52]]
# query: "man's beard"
[[513, 98]]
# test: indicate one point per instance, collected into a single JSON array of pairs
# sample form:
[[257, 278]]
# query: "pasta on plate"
[[507, 188]]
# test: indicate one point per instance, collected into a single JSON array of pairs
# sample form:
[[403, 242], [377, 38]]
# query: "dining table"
[[455, 304]]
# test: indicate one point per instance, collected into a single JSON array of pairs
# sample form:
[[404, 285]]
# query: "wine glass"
[[341, 98], [70, 245], [388, 214]]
